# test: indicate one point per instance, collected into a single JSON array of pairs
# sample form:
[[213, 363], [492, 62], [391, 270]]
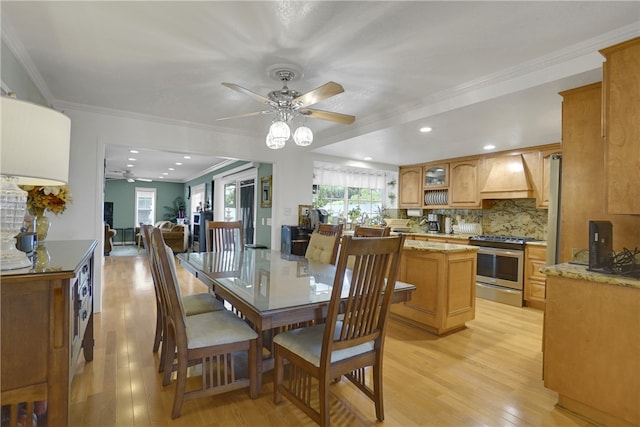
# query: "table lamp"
[[34, 150]]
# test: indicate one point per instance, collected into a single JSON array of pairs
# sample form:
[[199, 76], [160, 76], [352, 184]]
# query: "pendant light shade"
[[303, 136], [273, 144], [280, 132]]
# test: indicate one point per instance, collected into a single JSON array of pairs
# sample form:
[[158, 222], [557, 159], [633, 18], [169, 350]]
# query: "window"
[[145, 205], [353, 195]]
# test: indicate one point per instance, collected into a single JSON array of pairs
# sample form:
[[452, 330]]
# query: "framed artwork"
[[265, 192]]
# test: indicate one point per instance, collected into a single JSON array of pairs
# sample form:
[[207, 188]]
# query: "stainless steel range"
[[500, 271]]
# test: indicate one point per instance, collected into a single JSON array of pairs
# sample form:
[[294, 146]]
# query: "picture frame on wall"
[[265, 192]]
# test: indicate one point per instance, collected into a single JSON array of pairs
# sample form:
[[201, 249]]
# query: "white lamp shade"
[[274, 144], [280, 131], [303, 136], [35, 143]]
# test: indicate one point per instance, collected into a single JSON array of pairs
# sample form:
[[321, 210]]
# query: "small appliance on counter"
[[435, 223], [318, 216]]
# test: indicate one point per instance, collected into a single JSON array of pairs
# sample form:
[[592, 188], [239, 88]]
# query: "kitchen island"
[[444, 275], [591, 343]]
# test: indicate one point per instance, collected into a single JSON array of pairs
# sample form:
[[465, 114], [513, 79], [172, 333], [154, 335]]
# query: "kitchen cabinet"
[[583, 175], [436, 185], [535, 281], [539, 164], [47, 319], [445, 280], [410, 187], [621, 127], [591, 344], [463, 188]]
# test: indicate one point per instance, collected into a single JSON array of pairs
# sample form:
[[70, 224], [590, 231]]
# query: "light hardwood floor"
[[486, 375]]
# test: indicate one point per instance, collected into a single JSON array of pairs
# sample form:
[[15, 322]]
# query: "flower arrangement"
[[52, 198]]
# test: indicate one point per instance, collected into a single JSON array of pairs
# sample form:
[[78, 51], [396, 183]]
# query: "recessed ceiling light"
[[178, 164], [368, 158], [425, 129], [165, 173], [187, 157], [489, 147], [134, 151], [131, 159], [172, 169], [129, 166]]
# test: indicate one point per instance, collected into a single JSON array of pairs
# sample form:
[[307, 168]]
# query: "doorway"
[[239, 201]]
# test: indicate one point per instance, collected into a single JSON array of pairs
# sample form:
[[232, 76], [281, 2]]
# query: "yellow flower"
[[51, 198]]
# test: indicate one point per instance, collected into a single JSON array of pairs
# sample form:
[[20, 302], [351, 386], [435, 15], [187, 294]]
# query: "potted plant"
[[176, 210], [354, 214]]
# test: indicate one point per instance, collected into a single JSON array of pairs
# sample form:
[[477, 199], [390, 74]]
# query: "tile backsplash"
[[513, 217]]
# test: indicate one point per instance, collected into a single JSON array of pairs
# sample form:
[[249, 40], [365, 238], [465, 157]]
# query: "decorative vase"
[[42, 224], [41, 259]]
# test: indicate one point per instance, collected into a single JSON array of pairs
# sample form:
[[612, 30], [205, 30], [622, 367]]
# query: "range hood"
[[508, 179]]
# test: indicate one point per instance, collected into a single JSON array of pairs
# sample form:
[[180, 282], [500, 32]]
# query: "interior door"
[[240, 201]]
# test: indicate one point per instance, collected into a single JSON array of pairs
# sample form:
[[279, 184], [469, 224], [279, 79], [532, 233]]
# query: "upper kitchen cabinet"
[[436, 176], [621, 126], [539, 164], [436, 185], [410, 187], [463, 188]]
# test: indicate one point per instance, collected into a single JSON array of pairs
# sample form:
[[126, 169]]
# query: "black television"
[[600, 245]]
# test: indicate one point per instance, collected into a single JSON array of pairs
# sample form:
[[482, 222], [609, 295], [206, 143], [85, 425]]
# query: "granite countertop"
[[576, 271], [422, 245]]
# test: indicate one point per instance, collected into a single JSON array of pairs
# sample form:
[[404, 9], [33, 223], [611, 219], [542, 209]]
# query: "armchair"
[[109, 234]]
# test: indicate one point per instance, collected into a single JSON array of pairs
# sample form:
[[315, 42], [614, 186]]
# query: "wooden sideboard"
[[47, 317]]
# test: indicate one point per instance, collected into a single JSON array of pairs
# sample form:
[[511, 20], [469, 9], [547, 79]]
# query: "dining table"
[[271, 289]]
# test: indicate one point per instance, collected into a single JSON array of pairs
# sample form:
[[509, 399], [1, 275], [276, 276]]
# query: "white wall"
[[92, 130]]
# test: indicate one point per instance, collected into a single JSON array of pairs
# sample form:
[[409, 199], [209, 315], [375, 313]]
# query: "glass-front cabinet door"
[[436, 176]]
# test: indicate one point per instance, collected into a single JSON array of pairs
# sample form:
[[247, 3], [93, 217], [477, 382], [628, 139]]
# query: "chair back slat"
[[224, 236], [371, 231], [366, 308]]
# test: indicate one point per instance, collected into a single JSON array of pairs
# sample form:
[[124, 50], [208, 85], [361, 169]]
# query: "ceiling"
[[476, 72]]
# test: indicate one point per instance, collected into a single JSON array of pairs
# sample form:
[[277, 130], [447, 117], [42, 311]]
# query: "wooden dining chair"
[[324, 242], [211, 339], [193, 304], [224, 236], [318, 354], [371, 231]]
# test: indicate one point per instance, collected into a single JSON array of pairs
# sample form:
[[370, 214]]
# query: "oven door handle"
[[500, 252]]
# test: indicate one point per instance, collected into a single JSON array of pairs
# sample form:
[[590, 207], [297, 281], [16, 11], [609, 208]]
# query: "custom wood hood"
[[508, 178]]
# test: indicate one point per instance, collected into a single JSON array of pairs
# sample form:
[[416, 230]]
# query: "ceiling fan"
[[287, 104], [128, 175]]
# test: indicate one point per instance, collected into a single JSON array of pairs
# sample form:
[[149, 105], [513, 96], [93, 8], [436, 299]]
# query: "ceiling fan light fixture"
[[279, 131], [303, 136], [273, 144]]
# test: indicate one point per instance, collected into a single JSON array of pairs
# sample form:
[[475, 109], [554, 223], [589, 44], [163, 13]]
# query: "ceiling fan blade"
[[325, 91], [255, 113], [345, 119], [246, 91]]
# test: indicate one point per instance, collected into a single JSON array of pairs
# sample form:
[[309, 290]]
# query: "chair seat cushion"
[[217, 328], [321, 248], [307, 343], [200, 303]]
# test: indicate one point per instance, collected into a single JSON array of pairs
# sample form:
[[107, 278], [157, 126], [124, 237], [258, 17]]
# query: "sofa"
[[109, 234], [176, 236]]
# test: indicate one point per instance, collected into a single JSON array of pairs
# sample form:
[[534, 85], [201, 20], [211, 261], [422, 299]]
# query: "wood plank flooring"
[[489, 374]]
